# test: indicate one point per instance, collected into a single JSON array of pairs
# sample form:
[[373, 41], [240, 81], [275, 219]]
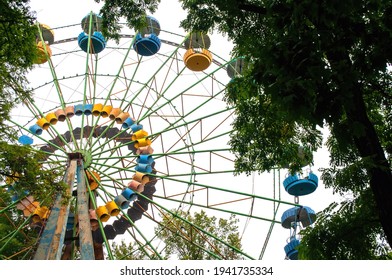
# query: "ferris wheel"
[[140, 131]]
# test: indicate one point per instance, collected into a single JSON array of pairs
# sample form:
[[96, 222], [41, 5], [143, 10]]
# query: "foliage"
[[349, 229], [17, 53], [134, 13], [21, 166], [129, 251], [271, 139], [349, 232], [184, 238], [291, 48], [189, 237], [346, 231], [18, 247]]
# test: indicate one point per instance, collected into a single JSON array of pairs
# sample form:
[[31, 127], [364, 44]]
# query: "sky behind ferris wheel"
[[60, 13]]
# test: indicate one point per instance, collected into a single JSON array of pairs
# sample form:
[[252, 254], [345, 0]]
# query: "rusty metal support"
[[51, 242], [85, 236]]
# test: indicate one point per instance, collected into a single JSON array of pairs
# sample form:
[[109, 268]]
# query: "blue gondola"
[[98, 42], [304, 215], [146, 159], [147, 42], [128, 123], [129, 194], [291, 249], [136, 127], [35, 129], [298, 187], [143, 167], [88, 109], [79, 109], [25, 140], [148, 45]]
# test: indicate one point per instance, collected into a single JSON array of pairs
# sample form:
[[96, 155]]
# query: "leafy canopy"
[[17, 52], [23, 241], [20, 165], [134, 13]]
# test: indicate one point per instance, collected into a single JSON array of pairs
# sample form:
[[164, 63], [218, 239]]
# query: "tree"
[[128, 251], [190, 237], [17, 53], [20, 246], [21, 167], [311, 64], [134, 13], [184, 238], [346, 231], [349, 229]]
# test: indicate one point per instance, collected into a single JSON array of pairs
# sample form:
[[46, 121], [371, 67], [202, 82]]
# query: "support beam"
[[85, 236], [52, 239]]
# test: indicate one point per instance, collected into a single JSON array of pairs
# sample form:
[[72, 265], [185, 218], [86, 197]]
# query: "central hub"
[[85, 156]]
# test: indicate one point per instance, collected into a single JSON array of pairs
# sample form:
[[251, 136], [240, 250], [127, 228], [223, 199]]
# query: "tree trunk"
[[366, 141], [370, 149]]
